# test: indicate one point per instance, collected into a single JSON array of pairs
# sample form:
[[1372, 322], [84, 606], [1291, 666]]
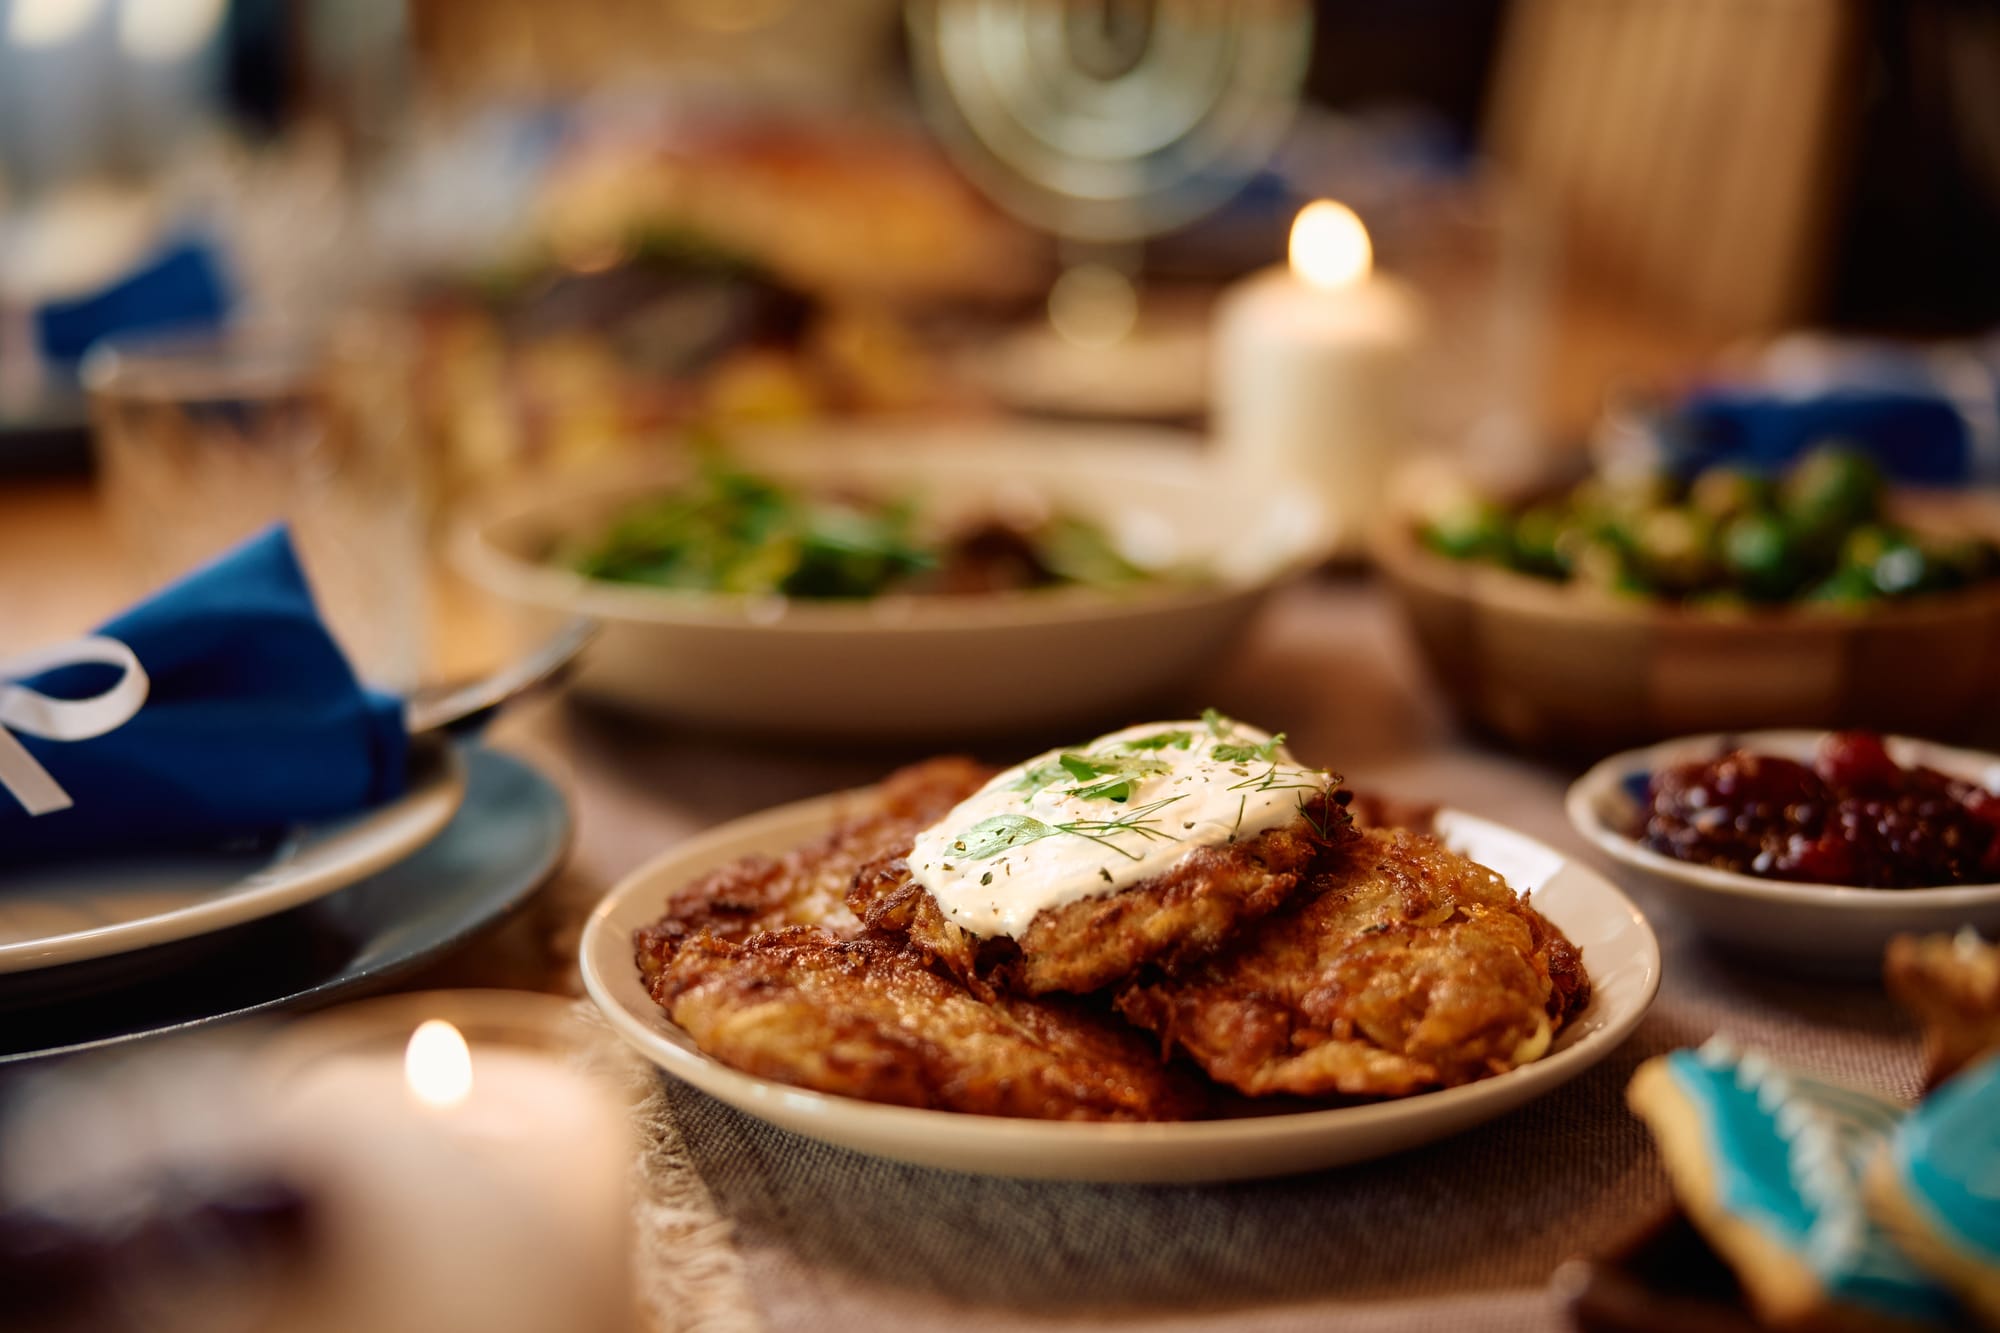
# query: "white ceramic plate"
[[1816, 925], [905, 667], [1618, 950], [73, 912]]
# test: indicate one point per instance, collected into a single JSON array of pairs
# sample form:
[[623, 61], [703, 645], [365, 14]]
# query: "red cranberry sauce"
[[1854, 817]]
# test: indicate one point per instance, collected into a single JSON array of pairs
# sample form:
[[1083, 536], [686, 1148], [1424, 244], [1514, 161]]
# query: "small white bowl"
[[904, 667], [1819, 926]]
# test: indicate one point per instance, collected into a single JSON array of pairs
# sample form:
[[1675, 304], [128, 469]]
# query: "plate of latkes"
[[1173, 953]]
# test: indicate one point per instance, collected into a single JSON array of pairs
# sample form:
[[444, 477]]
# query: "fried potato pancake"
[[1401, 966], [807, 886], [866, 1018], [1184, 913]]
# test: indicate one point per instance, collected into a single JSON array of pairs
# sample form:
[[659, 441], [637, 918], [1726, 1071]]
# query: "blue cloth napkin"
[[181, 287], [253, 721], [1918, 437]]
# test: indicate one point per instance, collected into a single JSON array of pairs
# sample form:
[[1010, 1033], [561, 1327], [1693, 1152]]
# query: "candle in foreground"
[[1311, 368], [462, 1187]]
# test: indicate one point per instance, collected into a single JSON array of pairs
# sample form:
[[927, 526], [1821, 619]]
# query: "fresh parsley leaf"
[[1161, 740], [1119, 769], [1243, 754], [1039, 776], [990, 837], [1083, 767], [1113, 788], [1220, 727]]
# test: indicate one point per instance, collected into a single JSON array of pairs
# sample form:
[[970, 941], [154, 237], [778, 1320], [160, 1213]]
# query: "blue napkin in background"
[[180, 287], [1918, 437], [1929, 414], [254, 721]]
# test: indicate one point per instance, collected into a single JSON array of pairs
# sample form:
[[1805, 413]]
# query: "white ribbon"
[[31, 714]]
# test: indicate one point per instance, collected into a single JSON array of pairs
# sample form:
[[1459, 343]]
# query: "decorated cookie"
[[1935, 1187], [1951, 985], [1768, 1164]]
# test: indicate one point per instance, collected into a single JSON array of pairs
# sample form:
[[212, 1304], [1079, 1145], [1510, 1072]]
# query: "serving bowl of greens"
[[900, 582], [1626, 609]]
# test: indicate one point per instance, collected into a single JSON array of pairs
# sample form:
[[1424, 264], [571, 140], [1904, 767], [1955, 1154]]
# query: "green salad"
[[1818, 532], [734, 531]]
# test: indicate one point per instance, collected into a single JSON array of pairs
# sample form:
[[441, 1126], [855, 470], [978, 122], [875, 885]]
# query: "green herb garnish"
[[1161, 740], [1243, 754], [1001, 833], [990, 837]]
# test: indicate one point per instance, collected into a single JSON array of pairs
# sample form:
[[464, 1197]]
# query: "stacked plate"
[[98, 953]]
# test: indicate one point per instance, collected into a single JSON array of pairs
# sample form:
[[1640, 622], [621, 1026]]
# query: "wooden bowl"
[[1563, 669]]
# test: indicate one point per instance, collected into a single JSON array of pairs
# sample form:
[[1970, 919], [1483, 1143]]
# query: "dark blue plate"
[[504, 842]]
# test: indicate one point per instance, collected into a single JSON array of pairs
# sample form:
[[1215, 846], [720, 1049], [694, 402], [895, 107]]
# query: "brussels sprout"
[[1760, 555], [1537, 547], [1721, 493], [1865, 545], [1471, 529], [1847, 587], [1606, 566], [1604, 500], [1900, 568], [1675, 548], [1829, 490]]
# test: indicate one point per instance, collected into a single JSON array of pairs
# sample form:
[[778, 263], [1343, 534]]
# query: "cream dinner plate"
[[1618, 950], [68, 913], [1818, 927]]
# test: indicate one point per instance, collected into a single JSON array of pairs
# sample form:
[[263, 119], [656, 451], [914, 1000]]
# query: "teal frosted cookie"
[[1936, 1187], [1769, 1165]]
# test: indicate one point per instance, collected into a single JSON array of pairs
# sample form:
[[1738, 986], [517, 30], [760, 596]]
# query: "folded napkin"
[[1929, 413], [1918, 437], [219, 709], [179, 288]]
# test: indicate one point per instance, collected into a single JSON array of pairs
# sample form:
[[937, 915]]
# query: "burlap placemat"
[[749, 1226]]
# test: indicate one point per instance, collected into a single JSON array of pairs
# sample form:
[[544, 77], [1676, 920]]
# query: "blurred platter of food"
[[1636, 606], [723, 272], [901, 580]]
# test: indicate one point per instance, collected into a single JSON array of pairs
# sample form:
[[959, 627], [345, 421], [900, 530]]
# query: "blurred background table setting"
[[466, 468]]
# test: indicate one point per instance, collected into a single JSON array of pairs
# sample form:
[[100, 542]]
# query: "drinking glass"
[[204, 439]]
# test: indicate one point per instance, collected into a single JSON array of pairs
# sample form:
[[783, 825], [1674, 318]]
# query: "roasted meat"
[[866, 1018], [1186, 912], [1400, 966], [807, 885]]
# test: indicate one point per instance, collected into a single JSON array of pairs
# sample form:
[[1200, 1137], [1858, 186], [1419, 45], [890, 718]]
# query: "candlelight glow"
[[1330, 247], [166, 30], [45, 23], [438, 1065]]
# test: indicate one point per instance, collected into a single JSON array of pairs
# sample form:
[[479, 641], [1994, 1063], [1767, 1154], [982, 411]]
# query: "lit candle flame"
[[437, 1065], [1330, 248]]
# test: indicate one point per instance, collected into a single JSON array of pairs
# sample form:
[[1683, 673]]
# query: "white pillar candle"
[[1311, 369], [481, 1190]]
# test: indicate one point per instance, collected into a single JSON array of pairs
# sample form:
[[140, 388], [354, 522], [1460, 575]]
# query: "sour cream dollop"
[[1092, 819]]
